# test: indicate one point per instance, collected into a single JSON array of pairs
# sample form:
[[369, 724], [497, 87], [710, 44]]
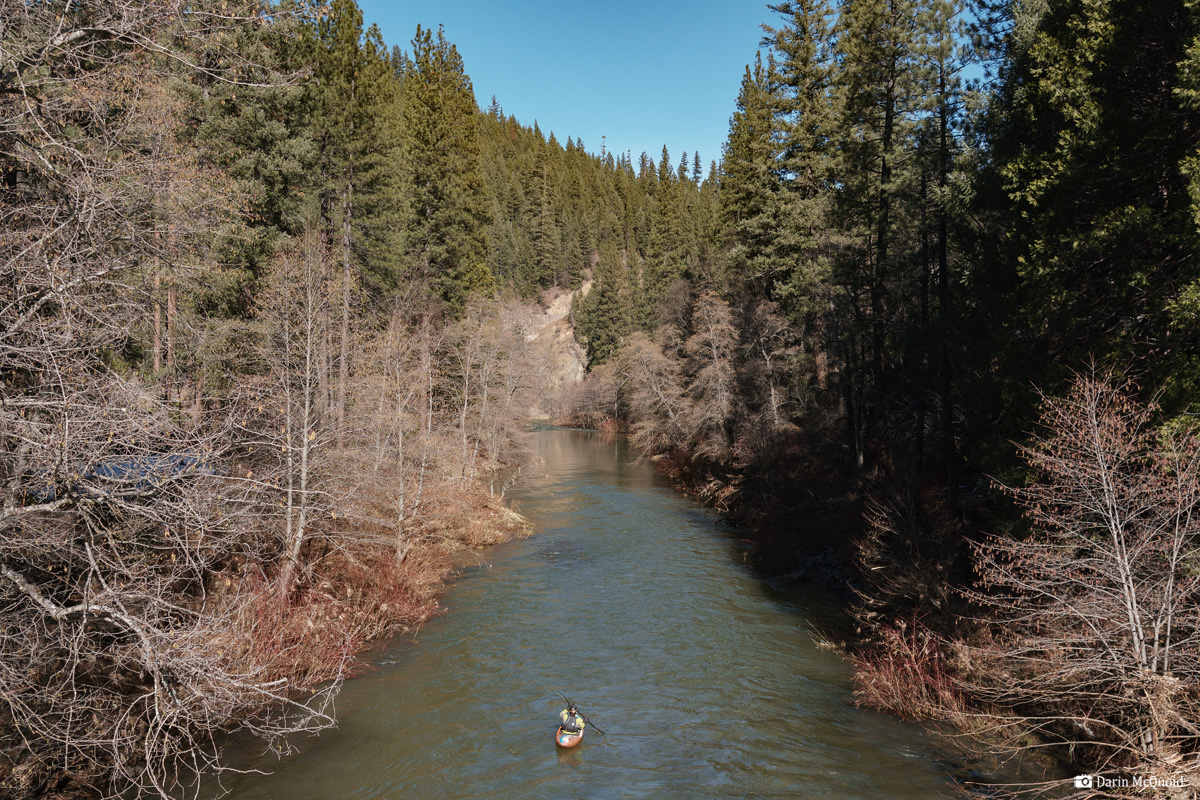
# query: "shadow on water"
[[630, 600]]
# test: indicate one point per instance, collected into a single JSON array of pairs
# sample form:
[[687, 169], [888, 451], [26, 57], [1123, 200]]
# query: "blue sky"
[[643, 74]]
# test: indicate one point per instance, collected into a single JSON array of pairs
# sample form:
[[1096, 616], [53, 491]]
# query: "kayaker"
[[572, 720]]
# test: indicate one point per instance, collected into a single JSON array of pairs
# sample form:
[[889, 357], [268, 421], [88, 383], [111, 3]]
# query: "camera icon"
[[1083, 781]]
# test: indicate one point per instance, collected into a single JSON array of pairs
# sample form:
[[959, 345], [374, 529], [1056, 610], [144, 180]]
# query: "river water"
[[632, 601]]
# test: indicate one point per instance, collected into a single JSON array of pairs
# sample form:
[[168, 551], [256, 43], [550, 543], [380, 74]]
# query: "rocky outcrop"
[[556, 360]]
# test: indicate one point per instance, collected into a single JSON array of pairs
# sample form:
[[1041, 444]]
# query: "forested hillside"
[[950, 277], [900, 241], [261, 363], [933, 315]]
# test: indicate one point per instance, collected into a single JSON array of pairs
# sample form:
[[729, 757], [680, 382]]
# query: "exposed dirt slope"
[[555, 359]]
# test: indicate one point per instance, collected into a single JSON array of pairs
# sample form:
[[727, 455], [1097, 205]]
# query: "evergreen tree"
[[665, 175], [547, 241], [942, 50], [803, 93], [603, 317], [447, 221], [1096, 132], [258, 133], [749, 182], [669, 252], [377, 211], [877, 112], [354, 111]]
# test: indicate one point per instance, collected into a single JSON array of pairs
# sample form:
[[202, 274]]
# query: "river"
[[632, 601]]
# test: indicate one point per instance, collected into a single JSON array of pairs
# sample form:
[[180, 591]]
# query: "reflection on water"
[[631, 602]]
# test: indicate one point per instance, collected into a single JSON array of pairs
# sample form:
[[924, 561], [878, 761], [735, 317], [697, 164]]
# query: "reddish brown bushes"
[[311, 636], [905, 673]]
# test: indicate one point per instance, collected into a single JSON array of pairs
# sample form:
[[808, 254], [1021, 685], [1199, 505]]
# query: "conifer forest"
[[928, 330]]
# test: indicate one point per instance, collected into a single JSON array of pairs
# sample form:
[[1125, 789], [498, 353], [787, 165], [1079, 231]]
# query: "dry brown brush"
[[120, 659], [170, 573], [906, 672], [905, 559]]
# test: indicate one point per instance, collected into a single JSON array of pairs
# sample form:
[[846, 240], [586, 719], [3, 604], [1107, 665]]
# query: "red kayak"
[[564, 739]]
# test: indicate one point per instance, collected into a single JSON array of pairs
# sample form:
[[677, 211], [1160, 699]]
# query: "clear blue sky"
[[644, 74]]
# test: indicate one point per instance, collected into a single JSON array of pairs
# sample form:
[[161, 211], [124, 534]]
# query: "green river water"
[[632, 601]]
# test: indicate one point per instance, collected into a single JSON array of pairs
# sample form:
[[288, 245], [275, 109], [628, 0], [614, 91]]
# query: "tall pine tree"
[[446, 230], [749, 182]]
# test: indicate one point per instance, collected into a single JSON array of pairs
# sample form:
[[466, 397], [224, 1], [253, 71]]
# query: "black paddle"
[[586, 721], [589, 722]]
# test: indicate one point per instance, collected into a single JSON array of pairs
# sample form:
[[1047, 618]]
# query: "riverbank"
[[807, 538], [355, 596]]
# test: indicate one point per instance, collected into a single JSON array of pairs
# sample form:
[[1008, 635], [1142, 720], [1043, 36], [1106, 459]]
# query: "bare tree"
[[485, 365], [1094, 641], [398, 383], [656, 396], [293, 425], [120, 660], [715, 400], [596, 402], [430, 342], [768, 353]]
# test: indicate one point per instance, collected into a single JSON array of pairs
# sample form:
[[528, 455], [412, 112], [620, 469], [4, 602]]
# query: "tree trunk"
[[918, 476], [882, 242], [158, 324], [172, 306], [943, 259], [344, 362]]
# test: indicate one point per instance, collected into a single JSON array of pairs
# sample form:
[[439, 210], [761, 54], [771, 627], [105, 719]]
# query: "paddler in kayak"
[[572, 721]]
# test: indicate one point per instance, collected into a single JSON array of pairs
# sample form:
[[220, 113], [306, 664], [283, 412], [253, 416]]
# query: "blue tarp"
[[133, 474]]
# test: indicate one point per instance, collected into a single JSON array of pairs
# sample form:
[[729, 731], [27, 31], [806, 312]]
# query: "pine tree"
[[670, 250], [803, 94], [547, 241], [447, 215], [877, 112], [749, 182], [1093, 135], [354, 110], [665, 175], [941, 49], [259, 135], [377, 213], [603, 317]]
